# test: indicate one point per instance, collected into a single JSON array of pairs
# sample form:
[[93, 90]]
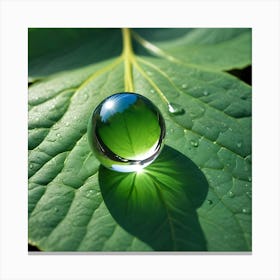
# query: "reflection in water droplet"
[[175, 109], [194, 143], [210, 202], [184, 86], [239, 144], [205, 93]]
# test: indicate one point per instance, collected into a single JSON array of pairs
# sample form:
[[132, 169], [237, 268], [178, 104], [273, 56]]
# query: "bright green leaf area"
[[196, 196]]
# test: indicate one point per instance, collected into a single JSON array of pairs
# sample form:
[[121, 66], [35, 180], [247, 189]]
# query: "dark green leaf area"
[[158, 205]]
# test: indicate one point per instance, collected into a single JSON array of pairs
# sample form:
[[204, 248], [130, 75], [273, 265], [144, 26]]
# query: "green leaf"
[[196, 196]]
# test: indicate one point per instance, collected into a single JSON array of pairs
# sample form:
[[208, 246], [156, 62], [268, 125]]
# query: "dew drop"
[[184, 86], [244, 210], [107, 120], [239, 144], [152, 91], [185, 130], [58, 135], [31, 166], [210, 202], [250, 179], [205, 93], [85, 97], [175, 109], [194, 143], [231, 194], [67, 124]]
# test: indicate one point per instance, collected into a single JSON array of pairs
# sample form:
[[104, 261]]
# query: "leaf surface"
[[195, 196]]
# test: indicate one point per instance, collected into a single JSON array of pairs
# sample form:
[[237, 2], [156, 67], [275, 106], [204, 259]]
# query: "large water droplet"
[[175, 109], [126, 132]]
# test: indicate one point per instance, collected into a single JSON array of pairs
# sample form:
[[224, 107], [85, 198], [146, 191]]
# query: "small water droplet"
[[185, 131], [184, 86], [67, 124], [56, 209], [239, 144], [58, 135], [231, 194], [85, 97], [244, 210], [210, 202], [194, 143], [250, 179], [89, 193], [31, 166], [175, 109], [205, 93], [152, 91]]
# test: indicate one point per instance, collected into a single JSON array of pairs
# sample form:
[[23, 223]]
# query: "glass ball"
[[126, 132]]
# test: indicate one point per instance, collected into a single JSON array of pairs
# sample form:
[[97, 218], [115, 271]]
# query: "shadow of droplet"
[[159, 205]]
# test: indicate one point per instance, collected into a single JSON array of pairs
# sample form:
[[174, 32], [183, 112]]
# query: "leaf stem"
[[128, 57]]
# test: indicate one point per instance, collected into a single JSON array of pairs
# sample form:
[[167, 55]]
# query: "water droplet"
[[58, 135], [250, 179], [244, 210], [239, 144], [175, 109], [246, 185], [184, 86], [107, 121], [231, 194], [67, 124], [205, 93], [89, 193], [185, 130], [85, 97], [210, 202], [194, 143], [152, 91], [31, 166]]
